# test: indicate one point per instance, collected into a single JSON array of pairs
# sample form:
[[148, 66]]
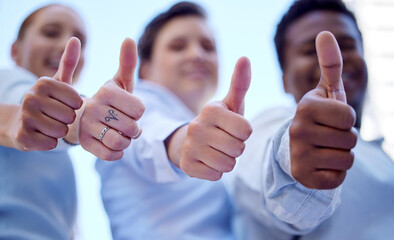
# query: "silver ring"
[[103, 133]]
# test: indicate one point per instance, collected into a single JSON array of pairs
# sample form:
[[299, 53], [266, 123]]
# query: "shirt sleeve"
[[14, 84], [275, 199], [300, 208], [148, 153]]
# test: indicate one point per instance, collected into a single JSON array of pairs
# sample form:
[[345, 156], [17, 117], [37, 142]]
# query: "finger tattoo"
[[112, 115]]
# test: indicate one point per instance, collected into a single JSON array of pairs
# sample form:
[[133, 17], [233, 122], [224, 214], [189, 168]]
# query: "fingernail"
[[138, 133]]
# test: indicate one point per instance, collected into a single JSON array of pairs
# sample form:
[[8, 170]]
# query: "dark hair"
[[29, 19], [301, 8], [147, 40]]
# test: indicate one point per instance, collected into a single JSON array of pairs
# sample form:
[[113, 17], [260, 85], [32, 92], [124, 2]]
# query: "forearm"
[[8, 115], [302, 208], [174, 145], [73, 129], [150, 154]]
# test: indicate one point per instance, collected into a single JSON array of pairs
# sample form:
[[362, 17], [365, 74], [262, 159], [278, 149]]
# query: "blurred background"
[[242, 28]]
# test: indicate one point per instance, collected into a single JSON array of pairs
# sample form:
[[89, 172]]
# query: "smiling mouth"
[[198, 75], [349, 76], [52, 63]]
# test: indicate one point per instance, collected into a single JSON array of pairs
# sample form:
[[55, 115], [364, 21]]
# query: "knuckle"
[[303, 107], [239, 149], [353, 140], [297, 154], [119, 143], [331, 180], [83, 139], [26, 120], [184, 165], [131, 129], [103, 93], [70, 117], [353, 115], [300, 172], [61, 131], [186, 149], [139, 109], [214, 176], [296, 130], [29, 96], [106, 155], [30, 101], [348, 120], [52, 143], [349, 161], [84, 121], [21, 138], [296, 173], [90, 108], [48, 144], [209, 109], [242, 148], [190, 173], [77, 101], [229, 165], [248, 130], [194, 128], [189, 152], [336, 182], [44, 83]]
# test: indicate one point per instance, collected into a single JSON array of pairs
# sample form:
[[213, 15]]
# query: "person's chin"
[[50, 72], [199, 76]]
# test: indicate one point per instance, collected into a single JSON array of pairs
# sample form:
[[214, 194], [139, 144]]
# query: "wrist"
[[11, 126], [69, 143], [72, 137], [174, 145]]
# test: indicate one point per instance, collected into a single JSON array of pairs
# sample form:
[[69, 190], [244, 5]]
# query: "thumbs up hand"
[[321, 133], [215, 138], [109, 121], [49, 106]]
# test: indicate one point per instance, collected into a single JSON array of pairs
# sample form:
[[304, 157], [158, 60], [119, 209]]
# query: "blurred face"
[[40, 49], [301, 68], [184, 60]]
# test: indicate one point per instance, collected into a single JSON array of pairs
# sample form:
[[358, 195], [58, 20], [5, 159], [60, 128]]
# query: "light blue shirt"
[[37, 189], [37, 195], [146, 197], [271, 204]]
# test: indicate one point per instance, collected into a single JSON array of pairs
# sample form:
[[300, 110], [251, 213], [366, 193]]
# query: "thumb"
[[124, 77], [69, 61], [240, 83], [330, 61]]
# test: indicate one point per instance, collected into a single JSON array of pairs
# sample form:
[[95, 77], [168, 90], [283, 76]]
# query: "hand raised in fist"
[[321, 133], [49, 106], [215, 138], [109, 121]]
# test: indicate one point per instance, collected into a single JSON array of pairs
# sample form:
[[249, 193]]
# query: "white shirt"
[[272, 204], [146, 196]]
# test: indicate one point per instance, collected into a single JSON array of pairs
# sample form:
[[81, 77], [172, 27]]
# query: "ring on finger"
[[103, 133]]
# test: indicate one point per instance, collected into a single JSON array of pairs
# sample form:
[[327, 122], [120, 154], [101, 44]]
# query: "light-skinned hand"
[[215, 138], [49, 106], [113, 106]]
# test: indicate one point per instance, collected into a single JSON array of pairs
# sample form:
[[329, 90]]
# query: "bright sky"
[[242, 28]]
